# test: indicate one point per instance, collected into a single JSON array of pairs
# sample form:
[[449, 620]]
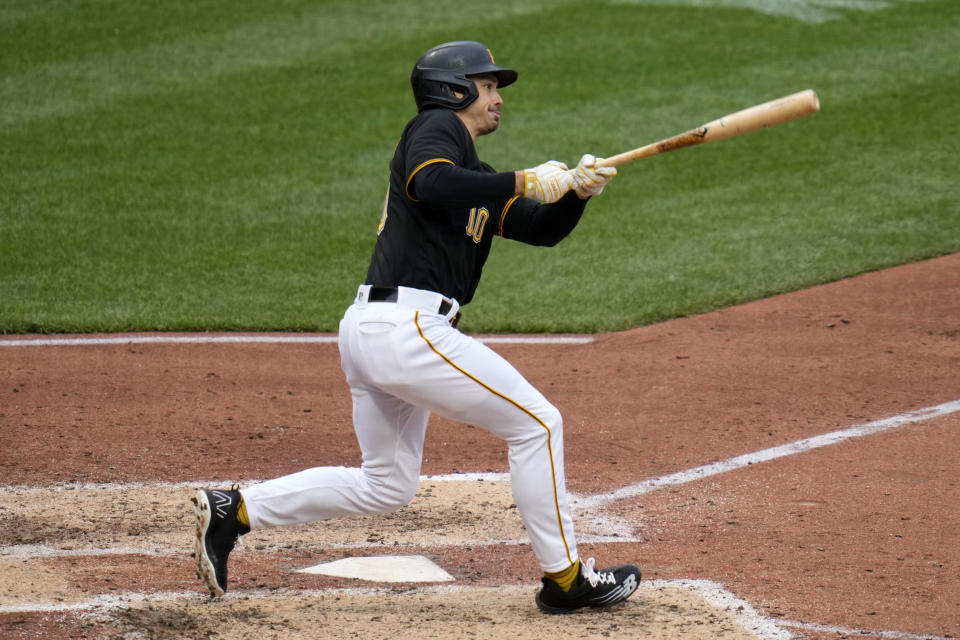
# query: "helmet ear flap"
[[450, 93], [467, 91]]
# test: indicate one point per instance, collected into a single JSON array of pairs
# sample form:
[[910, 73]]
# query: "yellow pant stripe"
[[556, 497]]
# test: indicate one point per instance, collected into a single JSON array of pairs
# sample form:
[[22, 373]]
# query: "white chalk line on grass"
[[259, 339], [765, 455]]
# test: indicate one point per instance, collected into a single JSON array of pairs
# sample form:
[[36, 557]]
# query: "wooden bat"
[[754, 118]]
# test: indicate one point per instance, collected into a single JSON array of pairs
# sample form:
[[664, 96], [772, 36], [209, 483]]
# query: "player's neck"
[[474, 134]]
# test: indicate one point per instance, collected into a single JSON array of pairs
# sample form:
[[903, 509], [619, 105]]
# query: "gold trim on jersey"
[[553, 472], [406, 187], [383, 215], [503, 214]]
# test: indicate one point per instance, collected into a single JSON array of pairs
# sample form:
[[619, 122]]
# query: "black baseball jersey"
[[444, 206]]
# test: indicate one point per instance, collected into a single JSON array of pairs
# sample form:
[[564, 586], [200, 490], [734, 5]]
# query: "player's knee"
[[394, 497], [546, 418], [403, 495], [554, 421]]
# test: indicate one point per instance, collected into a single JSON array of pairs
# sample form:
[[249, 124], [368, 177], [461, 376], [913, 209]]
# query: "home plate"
[[383, 569]]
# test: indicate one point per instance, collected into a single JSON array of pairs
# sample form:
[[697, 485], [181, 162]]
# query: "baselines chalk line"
[[257, 339], [633, 490], [747, 459], [593, 503]]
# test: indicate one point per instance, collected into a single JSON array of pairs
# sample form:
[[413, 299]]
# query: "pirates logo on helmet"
[[445, 70]]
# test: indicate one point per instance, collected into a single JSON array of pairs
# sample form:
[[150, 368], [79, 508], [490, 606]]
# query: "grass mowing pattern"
[[209, 165]]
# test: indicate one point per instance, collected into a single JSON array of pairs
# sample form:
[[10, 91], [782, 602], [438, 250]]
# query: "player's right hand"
[[547, 182], [590, 179]]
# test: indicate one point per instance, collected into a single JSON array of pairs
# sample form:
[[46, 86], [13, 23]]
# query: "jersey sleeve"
[[441, 182], [532, 222]]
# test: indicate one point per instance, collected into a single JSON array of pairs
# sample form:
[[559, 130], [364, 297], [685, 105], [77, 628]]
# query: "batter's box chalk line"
[[711, 592]]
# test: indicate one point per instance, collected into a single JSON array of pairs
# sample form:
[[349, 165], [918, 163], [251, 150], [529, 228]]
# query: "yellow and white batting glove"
[[589, 179], [547, 182]]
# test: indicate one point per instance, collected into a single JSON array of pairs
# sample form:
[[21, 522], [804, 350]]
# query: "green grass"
[[214, 165]]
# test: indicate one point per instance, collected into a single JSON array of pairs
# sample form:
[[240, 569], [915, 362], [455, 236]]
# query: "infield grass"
[[215, 165]]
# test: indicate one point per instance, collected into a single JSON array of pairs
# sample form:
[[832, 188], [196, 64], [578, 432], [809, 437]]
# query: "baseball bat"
[[751, 119]]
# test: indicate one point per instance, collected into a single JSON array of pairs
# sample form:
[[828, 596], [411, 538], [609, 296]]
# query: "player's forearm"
[[543, 224]]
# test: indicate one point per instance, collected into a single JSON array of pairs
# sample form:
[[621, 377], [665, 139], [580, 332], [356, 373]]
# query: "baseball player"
[[404, 357]]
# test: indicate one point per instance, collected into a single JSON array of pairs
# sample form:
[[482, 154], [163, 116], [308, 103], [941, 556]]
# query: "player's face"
[[483, 114]]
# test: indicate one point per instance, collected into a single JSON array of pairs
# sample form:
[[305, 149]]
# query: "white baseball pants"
[[404, 361]]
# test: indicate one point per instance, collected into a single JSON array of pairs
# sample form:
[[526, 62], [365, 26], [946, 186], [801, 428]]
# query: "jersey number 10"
[[476, 223]]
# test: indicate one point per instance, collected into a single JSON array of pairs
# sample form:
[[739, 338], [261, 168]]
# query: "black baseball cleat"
[[217, 533], [593, 588]]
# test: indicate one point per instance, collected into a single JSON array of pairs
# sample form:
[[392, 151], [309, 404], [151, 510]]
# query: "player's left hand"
[[547, 182], [590, 179]]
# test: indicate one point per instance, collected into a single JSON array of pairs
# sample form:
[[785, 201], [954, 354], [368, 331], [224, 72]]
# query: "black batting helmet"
[[446, 68]]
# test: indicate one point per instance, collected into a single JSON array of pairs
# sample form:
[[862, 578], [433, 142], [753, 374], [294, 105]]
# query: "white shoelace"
[[596, 577]]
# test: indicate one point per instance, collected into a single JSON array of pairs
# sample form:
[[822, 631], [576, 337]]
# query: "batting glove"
[[589, 179], [547, 182]]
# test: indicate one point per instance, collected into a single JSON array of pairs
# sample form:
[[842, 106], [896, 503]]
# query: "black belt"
[[389, 294]]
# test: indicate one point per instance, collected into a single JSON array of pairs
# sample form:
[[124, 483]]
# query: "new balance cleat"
[[217, 533], [593, 588]]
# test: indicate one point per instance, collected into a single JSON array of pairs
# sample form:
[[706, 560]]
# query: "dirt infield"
[[101, 445]]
